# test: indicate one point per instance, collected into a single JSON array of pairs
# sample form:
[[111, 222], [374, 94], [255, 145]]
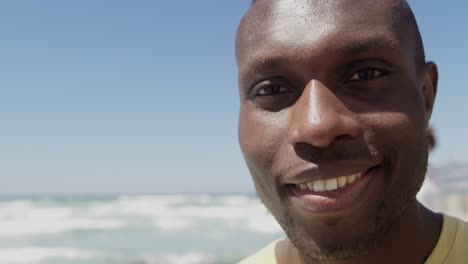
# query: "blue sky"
[[101, 97]]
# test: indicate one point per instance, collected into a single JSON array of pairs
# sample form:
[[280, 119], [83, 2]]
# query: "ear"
[[430, 80]]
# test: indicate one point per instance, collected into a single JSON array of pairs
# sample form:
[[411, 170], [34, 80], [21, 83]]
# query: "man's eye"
[[364, 75], [272, 89]]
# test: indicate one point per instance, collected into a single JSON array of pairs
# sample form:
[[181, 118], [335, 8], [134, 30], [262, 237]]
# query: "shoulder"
[[461, 238], [458, 252], [453, 243], [459, 229], [265, 255]]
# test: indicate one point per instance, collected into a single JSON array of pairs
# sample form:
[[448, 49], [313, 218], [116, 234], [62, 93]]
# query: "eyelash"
[[376, 74], [278, 89]]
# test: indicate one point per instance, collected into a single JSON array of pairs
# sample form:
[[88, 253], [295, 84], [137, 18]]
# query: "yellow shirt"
[[452, 247]]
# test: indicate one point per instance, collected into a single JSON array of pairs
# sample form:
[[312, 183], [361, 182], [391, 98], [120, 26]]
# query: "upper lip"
[[313, 172]]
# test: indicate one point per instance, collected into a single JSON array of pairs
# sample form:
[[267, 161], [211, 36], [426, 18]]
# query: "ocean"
[[133, 229]]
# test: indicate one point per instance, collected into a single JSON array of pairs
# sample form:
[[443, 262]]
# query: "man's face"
[[332, 121]]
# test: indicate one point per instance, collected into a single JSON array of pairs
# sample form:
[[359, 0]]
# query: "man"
[[336, 97]]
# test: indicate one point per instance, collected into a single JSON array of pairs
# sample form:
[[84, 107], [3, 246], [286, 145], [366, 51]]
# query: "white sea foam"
[[136, 205], [240, 210], [54, 226], [21, 218], [33, 255], [160, 221], [178, 213], [169, 213], [264, 224], [172, 224], [144, 205], [237, 200], [189, 258]]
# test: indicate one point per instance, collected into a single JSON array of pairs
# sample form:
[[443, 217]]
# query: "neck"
[[410, 240]]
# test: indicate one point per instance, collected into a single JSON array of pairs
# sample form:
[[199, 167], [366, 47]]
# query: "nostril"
[[344, 137]]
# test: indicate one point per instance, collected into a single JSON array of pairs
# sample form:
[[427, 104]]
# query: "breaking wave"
[[164, 212]]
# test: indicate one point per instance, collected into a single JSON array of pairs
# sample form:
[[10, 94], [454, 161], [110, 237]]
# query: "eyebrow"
[[366, 45], [273, 62], [358, 46], [349, 49], [264, 64]]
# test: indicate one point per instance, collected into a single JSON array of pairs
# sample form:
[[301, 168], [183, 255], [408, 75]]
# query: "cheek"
[[401, 123], [400, 139], [261, 136]]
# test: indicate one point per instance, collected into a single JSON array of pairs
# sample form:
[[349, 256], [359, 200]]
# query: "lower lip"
[[342, 199]]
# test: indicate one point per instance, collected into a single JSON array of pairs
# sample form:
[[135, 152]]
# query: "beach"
[[136, 229]]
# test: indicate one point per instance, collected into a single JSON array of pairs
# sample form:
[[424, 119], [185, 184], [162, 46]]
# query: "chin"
[[345, 237], [332, 241]]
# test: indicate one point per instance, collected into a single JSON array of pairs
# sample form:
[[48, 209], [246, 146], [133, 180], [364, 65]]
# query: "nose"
[[319, 118]]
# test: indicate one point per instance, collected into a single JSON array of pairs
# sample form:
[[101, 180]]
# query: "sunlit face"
[[332, 119]]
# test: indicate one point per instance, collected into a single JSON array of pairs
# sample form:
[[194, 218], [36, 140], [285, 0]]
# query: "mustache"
[[335, 152], [309, 157]]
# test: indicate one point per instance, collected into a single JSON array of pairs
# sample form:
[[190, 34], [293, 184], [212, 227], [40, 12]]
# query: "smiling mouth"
[[329, 184], [335, 194]]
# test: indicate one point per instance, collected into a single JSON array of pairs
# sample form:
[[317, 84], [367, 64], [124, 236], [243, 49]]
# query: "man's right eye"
[[273, 95], [271, 89]]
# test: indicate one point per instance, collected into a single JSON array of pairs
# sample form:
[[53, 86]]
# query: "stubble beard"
[[387, 213]]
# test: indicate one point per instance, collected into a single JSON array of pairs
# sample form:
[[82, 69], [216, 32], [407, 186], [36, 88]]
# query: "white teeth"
[[350, 179], [319, 186], [330, 184], [342, 182]]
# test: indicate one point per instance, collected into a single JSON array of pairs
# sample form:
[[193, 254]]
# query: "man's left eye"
[[364, 75]]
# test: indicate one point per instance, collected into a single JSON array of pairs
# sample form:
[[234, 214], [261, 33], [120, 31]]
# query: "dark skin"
[[330, 88]]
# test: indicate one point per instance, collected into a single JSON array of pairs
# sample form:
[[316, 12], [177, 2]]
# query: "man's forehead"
[[302, 23], [288, 16]]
